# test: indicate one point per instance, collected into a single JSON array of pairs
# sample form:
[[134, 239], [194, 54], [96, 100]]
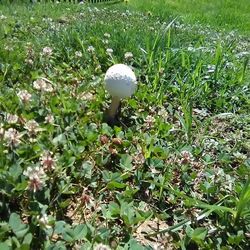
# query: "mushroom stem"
[[112, 111]]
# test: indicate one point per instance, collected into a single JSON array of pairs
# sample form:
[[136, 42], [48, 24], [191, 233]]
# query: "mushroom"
[[120, 83]]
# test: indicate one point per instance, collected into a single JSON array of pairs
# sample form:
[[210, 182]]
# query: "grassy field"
[[224, 14], [173, 173]]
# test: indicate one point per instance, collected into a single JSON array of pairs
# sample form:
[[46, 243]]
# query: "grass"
[[173, 172], [225, 14]]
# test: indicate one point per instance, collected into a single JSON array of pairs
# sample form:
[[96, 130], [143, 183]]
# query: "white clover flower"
[[33, 127], [11, 119], [48, 19], [211, 144], [128, 56], [91, 49], [36, 178], [86, 96], [48, 88], [105, 41], [29, 61], [149, 121], [31, 171], [2, 17], [39, 84], [24, 96], [107, 35], [101, 247], [163, 114], [47, 51], [47, 161], [109, 51], [186, 157], [43, 221], [49, 119], [78, 54], [12, 137], [42, 85], [8, 48]]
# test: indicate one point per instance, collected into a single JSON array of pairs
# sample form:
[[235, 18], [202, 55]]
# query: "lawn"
[[171, 173], [223, 14]]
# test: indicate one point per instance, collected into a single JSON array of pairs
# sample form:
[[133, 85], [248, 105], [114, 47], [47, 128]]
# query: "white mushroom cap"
[[120, 81]]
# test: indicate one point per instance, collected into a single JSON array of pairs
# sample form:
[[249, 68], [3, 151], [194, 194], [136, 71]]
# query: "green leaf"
[[134, 245], [15, 241], [65, 203], [68, 234], [58, 246], [59, 226], [103, 234], [115, 184], [4, 228], [17, 226], [236, 239], [4, 246], [106, 130], [15, 171], [21, 186], [126, 162], [114, 208], [127, 213], [60, 139], [25, 247], [27, 239], [199, 234], [80, 232], [86, 170]]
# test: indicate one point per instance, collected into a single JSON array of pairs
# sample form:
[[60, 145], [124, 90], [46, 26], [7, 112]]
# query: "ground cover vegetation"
[[173, 174]]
